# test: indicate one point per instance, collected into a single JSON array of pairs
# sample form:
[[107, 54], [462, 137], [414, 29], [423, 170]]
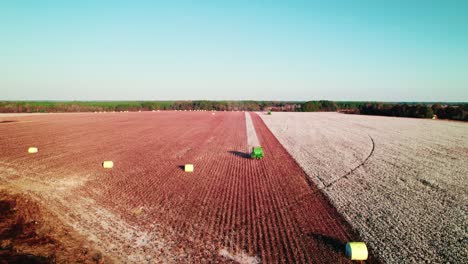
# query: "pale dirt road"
[[252, 139]]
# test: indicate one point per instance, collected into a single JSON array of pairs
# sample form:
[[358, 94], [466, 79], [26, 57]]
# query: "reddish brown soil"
[[28, 234], [260, 208]]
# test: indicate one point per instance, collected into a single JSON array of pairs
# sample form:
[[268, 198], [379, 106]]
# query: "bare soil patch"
[[28, 234]]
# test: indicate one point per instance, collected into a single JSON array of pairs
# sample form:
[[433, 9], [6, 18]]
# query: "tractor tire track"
[[355, 168]]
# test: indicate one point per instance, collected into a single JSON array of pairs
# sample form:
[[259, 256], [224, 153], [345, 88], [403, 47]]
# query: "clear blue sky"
[[272, 50]]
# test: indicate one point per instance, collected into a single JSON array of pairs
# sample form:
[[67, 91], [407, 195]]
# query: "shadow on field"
[[8, 121], [240, 154], [182, 167], [25, 259], [331, 242], [14, 229], [30, 234]]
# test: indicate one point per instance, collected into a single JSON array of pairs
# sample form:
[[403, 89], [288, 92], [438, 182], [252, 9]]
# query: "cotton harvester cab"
[[257, 153]]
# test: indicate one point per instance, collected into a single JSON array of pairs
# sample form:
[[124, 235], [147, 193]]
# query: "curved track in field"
[[355, 168]]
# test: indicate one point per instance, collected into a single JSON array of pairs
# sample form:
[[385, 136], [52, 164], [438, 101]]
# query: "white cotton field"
[[401, 182]]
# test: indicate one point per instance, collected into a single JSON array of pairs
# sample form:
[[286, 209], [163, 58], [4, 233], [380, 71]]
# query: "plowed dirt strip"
[[148, 208]]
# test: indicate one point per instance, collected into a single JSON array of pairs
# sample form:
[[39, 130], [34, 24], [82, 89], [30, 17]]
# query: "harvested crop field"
[[401, 182], [146, 208]]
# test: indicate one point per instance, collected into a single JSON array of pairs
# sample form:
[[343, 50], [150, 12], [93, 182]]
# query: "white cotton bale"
[[108, 164], [188, 167], [356, 250], [32, 150]]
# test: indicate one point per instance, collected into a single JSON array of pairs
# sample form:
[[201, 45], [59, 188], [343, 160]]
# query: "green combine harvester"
[[269, 112], [257, 153]]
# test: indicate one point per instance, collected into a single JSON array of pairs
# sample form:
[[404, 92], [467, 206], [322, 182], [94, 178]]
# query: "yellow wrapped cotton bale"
[[188, 167], [32, 150], [356, 250], [108, 164]]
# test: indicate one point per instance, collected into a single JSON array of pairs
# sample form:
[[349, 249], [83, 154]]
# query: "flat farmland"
[[402, 183], [147, 209]]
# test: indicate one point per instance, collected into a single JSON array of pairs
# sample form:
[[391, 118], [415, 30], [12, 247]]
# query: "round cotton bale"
[[108, 164], [356, 250], [32, 150]]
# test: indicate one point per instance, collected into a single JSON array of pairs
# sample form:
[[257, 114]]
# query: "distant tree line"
[[400, 110], [319, 106], [454, 111], [92, 106]]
